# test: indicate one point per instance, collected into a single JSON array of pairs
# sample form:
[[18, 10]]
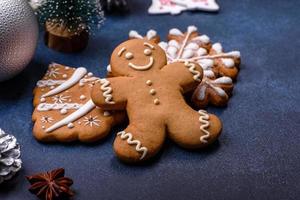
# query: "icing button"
[[106, 113], [63, 111], [90, 74], [70, 125], [81, 84], [149, 82], [43, 99], [43, 127], [82, 97], [152, 92], [65, 76], [156, 102]]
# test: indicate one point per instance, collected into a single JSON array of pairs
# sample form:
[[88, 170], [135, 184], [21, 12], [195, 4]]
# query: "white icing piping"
[[232, 54], [107, 91], [86, 108], [78, 74], [137, 143], [192, 69], [204, 117], [191, 29], [58, 106], [50, 82], [142, 67]]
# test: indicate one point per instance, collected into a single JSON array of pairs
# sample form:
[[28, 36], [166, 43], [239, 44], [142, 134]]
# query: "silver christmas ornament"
[[18, 36], [10, 162]]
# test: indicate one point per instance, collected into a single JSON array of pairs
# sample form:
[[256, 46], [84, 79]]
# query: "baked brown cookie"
[[194, 47], [152, 94], [215, 92], [64, 111]]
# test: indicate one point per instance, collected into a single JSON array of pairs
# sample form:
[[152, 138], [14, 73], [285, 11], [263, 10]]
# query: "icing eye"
[[147, 52], [129, 55]]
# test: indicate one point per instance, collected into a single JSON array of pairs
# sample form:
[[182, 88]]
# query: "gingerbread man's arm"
[[187, 75], [109, 93]]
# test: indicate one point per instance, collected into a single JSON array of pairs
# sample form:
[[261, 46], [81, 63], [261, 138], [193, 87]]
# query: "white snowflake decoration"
[[53, 72], [60, 98], [91, 121], [46, 119]]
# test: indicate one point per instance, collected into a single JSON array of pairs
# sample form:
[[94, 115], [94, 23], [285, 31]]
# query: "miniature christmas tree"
[[69, 22]]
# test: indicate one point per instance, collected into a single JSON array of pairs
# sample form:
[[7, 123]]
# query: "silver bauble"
[[18, 36]]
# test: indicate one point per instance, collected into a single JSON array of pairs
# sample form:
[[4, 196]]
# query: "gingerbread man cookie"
[[152, 94], [64, 110]]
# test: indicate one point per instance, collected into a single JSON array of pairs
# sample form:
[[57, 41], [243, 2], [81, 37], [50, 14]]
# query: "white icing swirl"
[[138, 145], [107, 91], [192, 69], [204, 120]]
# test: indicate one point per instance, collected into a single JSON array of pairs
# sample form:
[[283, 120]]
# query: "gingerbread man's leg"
[[140, 141], [191, 129]]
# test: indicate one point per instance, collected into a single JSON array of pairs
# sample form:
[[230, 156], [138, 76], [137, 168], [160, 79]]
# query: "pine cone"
[[10, 162]]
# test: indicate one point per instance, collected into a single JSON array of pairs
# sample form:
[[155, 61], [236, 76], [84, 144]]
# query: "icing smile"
[[142, 67]]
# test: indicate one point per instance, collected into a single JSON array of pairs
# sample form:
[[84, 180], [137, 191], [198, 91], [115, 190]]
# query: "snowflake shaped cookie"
[[175, 7]]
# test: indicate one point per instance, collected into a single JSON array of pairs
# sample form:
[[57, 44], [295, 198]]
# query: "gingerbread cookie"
[[215, 92], [64, 110], [152, 94], [191, 46]]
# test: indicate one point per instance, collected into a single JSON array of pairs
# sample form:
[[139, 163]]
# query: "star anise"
[[51, 185]]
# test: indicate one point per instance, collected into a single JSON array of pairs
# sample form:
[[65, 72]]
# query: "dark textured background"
[[258, 155]]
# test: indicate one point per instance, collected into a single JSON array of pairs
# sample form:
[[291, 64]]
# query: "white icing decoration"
[[142, 67], [70, 125], [223, 80], [78, 74], [201, 95], [58, 106], [174, 43], [188, 53], [149, 82], [151, 34], [65, 76], [159, 7], [108, 68], [90, 74], [217, 47], [46, 119], [192, 45], [176, 32], [42, 99], [63, 111], [149, 45], [208, 73], [192, 69], [53, 72], [202, 39], [228, 62], [152, 92], [49, 82], [206, 63], [135, 34], [52, 87], [204, 120], [201, 51], [156, 101], [163, 45], [121, 51], [138, 145], [86, 108], [82, 97], [147, 52], [107, 91], [106, 114], [60, 98], [91, 121], [129, 55]]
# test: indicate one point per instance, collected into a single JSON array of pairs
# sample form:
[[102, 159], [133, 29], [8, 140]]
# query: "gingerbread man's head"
[[135, 56]]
